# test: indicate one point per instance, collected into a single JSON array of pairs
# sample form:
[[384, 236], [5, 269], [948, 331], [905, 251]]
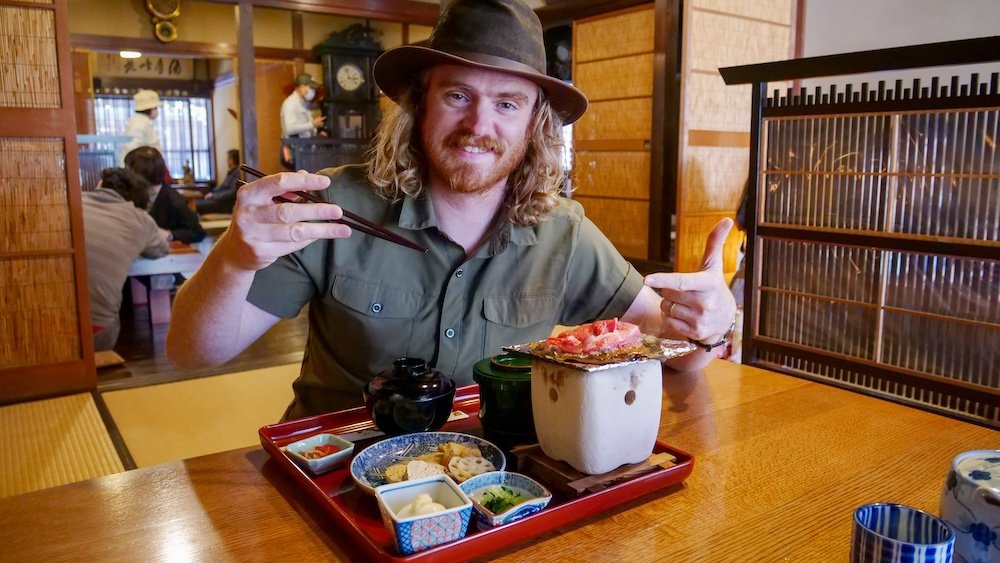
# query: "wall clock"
[[350, 77]]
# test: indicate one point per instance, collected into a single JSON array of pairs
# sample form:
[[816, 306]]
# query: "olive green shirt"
[[372, 301]]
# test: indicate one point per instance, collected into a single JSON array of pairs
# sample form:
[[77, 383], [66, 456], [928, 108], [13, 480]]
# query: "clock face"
[[350, 77]]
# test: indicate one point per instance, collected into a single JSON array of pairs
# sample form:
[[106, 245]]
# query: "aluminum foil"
[[651, 348]]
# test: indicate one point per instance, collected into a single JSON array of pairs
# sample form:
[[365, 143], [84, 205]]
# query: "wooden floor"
[[142, 347]]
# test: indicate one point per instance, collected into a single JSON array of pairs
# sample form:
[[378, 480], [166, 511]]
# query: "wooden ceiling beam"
[[404, 11]]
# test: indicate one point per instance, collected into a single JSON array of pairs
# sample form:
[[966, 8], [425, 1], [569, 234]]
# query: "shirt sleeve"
[[292, 122], [284, 287], [187, 227], [156, 246], [601, 283]]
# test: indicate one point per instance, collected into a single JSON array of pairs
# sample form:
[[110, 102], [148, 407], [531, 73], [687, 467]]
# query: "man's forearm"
[[207, 326]]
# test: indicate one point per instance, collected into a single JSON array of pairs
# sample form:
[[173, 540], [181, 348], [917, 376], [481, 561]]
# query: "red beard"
[[474, 178]]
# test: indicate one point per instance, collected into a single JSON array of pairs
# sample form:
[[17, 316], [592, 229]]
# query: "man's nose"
[[478, 118]]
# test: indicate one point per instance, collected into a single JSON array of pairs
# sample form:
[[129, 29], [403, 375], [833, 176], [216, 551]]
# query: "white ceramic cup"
[[890, 533]]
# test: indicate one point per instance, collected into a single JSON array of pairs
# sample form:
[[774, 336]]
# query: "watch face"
[[350, 77]]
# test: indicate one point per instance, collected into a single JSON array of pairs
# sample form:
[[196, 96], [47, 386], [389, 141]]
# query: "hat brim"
[[396, 69], [148, 106]]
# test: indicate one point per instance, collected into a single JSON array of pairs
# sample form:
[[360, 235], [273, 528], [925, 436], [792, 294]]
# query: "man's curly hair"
[[397, 164]]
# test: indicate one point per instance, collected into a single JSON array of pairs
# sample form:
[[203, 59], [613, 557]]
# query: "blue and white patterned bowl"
[[538, 497], [417, 533], [895, 533], [368, 467]]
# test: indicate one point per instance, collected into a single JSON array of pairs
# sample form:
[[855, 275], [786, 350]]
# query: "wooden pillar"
[[248, 85]]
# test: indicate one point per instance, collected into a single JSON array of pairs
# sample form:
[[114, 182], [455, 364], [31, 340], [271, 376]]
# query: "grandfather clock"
[[350, 102]]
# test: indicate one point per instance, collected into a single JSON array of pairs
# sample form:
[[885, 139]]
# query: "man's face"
[[474, 126]]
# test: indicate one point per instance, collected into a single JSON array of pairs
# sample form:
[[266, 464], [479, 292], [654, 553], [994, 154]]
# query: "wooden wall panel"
[[625, 77], [704, 170], [616, 119], [612, 174], [609, 36], [280, 76], [624, 222]]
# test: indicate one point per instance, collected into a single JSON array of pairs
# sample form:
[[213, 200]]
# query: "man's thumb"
[[712, 258]]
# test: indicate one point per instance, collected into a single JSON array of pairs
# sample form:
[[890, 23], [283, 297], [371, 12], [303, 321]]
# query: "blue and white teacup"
[[970, 502], [894, 533]]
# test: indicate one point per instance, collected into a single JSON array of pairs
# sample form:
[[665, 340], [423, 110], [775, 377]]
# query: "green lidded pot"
[[505, 398]]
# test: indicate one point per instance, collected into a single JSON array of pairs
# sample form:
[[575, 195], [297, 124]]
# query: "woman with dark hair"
[[117, 230], [168, 208]]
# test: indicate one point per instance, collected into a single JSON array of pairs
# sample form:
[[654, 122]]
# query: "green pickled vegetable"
[[499, 498]]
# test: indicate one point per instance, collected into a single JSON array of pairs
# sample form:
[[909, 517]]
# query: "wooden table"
[[151, 279], [780, 465]]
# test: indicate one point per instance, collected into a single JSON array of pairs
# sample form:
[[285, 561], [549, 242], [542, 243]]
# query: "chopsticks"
[[363, 225]]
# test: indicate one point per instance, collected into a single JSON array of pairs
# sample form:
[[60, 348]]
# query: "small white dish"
[[297, 451], [534, 497], [422, 531]]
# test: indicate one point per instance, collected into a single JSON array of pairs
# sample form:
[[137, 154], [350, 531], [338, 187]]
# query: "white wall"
[[842, 26]]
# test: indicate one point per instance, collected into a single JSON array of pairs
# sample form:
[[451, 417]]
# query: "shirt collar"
[[418, 213]]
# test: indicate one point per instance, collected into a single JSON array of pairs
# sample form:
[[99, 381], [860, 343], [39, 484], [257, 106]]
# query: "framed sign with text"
[[170, 68]]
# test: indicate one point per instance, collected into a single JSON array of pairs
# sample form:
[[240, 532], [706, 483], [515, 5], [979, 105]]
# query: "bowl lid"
[[410, 378], [504, 367]]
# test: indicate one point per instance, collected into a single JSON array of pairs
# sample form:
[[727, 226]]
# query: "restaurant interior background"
[[661, 155]]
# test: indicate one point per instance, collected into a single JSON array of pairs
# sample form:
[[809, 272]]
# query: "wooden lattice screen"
[[874, 249]]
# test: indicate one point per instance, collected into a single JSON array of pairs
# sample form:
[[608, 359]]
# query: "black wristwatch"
[[725, 338]]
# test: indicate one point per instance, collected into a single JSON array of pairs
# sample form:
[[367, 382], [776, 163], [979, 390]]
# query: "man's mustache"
[[460, 140]]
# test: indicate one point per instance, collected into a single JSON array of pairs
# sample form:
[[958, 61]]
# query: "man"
[[223, 197], [470, 167], [296, 116], [117, 230], [168, 208], [140, 125]]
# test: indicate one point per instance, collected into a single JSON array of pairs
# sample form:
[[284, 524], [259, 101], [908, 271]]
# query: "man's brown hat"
[[306, 79], [499, 35]]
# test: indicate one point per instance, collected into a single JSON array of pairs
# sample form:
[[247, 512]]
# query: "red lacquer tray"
[[356, 511]]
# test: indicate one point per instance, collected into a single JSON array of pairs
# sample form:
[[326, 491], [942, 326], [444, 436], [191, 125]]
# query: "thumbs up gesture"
[[698, 305]]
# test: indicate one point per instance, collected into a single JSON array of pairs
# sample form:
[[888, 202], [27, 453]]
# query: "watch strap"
[[725, 338]]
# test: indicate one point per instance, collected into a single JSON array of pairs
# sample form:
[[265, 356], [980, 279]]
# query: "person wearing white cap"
[[140, 125]]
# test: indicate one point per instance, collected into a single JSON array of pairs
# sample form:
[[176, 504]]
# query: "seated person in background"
[[222, 198], [168, 208], [117, 230], [470, 166]]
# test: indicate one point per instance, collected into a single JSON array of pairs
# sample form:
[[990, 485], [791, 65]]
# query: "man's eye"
[[456, 96], [509, 106]]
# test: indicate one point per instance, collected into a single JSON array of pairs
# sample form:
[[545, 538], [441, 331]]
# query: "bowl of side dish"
[[423, 513], [320, 453], [502, 497]]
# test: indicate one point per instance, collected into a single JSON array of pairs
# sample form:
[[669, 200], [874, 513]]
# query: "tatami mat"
[[53, 442], [173, 421]]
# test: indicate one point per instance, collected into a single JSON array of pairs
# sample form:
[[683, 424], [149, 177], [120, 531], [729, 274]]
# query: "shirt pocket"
[[516, 319], [376, 321]]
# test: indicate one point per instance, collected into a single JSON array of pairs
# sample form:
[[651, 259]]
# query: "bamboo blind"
[[38, 314], [29, 71], [613, 65], [719, 33], [621, 34], [923, 177], [612, 174], [33, 195]]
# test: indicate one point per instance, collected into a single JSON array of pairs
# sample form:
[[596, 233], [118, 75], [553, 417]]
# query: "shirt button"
[[376, 307], [450, 333], [459, 273]]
